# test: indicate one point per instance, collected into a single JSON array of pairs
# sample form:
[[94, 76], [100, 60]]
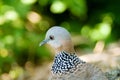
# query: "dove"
[[67, 65]]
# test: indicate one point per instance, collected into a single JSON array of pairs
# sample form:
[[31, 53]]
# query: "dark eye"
[[51, 37]]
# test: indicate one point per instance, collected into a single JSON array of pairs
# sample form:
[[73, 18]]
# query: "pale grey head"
[[59, 39]]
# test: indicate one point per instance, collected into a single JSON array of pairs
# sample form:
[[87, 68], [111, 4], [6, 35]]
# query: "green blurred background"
[[23, 24]]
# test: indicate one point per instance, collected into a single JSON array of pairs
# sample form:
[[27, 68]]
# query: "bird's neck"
[[65, 63], [66, 46]]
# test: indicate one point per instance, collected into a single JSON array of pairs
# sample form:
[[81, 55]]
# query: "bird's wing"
[[83, 72]]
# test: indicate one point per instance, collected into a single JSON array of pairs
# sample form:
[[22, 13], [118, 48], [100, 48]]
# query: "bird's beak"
[[44, 42]]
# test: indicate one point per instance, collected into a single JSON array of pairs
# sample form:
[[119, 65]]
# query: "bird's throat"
[[66, 46]]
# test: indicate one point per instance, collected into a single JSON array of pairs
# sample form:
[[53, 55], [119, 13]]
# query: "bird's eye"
[[51, 37]]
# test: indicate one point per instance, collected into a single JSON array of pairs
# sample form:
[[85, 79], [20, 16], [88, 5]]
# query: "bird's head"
[[59, 39]]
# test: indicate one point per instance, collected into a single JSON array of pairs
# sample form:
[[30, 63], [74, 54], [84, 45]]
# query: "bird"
[[67, 65], [113, 74]]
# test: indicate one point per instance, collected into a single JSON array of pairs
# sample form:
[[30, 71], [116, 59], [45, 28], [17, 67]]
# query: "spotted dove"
[[67, 65]]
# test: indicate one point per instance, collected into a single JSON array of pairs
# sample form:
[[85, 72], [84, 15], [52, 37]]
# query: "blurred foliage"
[[23, 24]]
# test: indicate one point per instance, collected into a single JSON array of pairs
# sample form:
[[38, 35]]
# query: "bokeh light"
[[101, 32], [11, 15], [3, 53], [28, 1], [58, 7], [34, 17]]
